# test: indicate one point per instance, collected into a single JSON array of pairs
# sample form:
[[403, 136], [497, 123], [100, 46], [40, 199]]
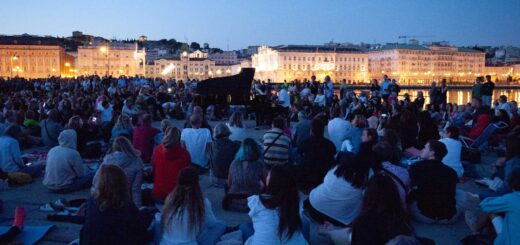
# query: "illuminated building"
[[418, 64], [185, 67], [290, 62], [33, 57], [115, 59], [224, 58]]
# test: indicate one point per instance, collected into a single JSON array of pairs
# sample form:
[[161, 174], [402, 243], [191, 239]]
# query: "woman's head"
[[166, 124], [354, 169], [369, 135], [122, 144], [382, 199], [111, 188], [172, 137], [249, 151], [282, 194], [221, 131], [185, 200], [75, 123], [236, 119]]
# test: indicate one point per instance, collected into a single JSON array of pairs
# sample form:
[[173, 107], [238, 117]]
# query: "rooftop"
[[26, 39], [315, 48]]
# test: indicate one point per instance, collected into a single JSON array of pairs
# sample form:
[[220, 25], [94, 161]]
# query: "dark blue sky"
[[252, 22]]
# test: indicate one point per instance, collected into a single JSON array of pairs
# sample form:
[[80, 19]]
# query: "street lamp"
[[105, 50]]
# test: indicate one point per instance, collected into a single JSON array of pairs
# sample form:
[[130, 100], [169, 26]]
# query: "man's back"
[[196, 140], [277, 145], [434, 188], [317, 158]]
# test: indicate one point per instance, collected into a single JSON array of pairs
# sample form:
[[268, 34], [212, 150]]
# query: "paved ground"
[[33, 195]]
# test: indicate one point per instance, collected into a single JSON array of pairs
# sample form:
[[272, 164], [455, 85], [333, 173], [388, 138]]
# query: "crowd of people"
[[335, 166]]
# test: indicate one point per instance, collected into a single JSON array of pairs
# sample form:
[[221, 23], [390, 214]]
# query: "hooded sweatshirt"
[[166, 165], [64, 164], [133, 168]]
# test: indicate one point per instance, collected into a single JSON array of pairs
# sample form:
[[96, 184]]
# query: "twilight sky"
[[240, 23]]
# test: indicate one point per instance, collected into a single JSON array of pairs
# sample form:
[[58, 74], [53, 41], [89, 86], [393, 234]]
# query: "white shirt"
[[106, 113], [320, 100], [338, 130], [452, 159], [179, 232], [284, 96], [265, 224], [237, 134], [336, 198], [305, 92], [196, 141]]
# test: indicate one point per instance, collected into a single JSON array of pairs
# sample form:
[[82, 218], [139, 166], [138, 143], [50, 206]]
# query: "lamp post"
[[106, 51]]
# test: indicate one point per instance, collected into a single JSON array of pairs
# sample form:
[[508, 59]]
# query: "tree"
[[195, 46]]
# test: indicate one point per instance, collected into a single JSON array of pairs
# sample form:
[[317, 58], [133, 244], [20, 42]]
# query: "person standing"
[[385, 84], [476, 90], [329, 90], [487, 91], [444, 92]]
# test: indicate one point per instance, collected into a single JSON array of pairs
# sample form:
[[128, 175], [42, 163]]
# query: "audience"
[[143, 137], [223, 151], [237, 126], [276, 144], [197, 141]]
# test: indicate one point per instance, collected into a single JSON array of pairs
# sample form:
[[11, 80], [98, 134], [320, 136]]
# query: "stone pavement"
[[35, 194]]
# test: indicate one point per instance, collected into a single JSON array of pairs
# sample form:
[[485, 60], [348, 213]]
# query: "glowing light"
[[67, 64], [103, 49], [169, 68]]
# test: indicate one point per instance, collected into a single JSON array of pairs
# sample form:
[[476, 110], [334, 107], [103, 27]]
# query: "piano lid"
[[237, 84]]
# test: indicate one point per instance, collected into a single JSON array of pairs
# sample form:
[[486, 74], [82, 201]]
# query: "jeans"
[[486, 100], [462, 201], [79, 183]]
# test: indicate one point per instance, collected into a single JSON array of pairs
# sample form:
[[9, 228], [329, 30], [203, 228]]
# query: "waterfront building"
[[111, 58], [224, 58], [419, 64], [186, 66], [290, 62], [34, 57]]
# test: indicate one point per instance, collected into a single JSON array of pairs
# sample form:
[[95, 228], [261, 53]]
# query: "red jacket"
[[482, 121], [166, 165], [143, 141]]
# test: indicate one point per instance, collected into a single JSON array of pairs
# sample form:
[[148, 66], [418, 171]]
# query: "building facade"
[[115, 59], [224, 58], [185, 67], [33, 57], [418, 64], [290, 62]]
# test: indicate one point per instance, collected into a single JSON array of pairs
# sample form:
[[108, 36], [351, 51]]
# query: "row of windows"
[[32, 53], [326, 59]]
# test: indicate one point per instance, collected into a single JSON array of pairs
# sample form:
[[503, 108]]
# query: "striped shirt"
[[278, 153]]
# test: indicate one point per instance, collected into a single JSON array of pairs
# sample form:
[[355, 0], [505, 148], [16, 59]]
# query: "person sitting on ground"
[[505, 211], [197, 110], [276, 144], [187, 217], [317, 157], [454, 146], [433, 187], [64, 171], [338, 200], [123, 127], [143, 137], [302, 129], [246, 175], [237, 127], [110, 216], [353, 141], [127, 158], [338, 128], [10, 156], [275, 213], [368, 139], [51, 128], [223, 151], [385, 162], [169, 158], [165, 124], [382, 219], [197, 141]]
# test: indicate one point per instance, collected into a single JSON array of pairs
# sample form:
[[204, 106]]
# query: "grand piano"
[[232, 90]]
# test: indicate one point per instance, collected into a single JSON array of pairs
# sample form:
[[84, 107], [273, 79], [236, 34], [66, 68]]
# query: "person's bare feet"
[[19, 217]]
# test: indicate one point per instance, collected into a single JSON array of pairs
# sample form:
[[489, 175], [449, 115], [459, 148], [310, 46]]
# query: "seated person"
[[143, 136], [246, 176], [275, 213], [111, 216], [433, 187], [454, 146], [167, 161], [51, 128], [338, 200], [384, 162], [317, 157], [223, 151], [64, 171], [10, 157], [9, 237], [197, 141], [187, 217]]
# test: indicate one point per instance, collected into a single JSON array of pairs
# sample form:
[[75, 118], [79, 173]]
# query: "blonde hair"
[[172, 137]]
